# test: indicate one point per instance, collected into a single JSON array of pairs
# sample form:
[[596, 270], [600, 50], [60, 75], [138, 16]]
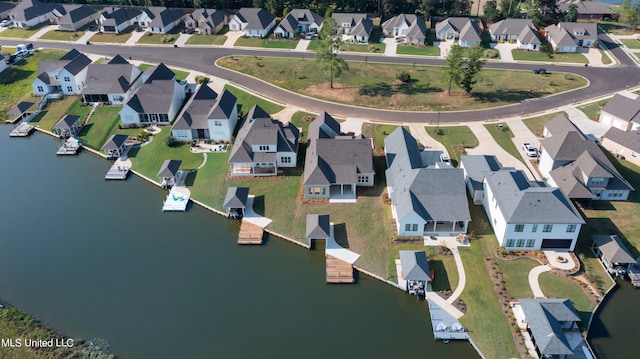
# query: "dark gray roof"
[[543, 317], [118, 60], [399, 20], [115, 142], [418, 29], [529, 36], [511, 27], [169, 168], [630, 140], [362, 28], [586, 7], [116, 16], [75, 13], [196, 112], [161, 16], [560, 36], [402, 151], [255, 18], [580, 30], [351, 18], [31, 9], [154, 97], [467, 27], [476, 166], [66, 122], [323, 126], [73, 61], [20, 108], [211, 17], [415, 265], [5, 8], [236, 197], [612, 249], [522, 202], [297, 17], [624, 108], [338, 161], [226, 103], [113, 77], [159, 72], [318, 226]]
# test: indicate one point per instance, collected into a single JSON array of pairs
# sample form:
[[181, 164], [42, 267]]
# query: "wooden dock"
[[338, 271], [117, 172], [69, 147], [22, 129], [250, 233]]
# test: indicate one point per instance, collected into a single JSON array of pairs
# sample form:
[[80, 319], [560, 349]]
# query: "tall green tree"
[[328, 48], [509, 8], [471, 67], [572, 14], [491, 12], [453, 66], [630, 13]]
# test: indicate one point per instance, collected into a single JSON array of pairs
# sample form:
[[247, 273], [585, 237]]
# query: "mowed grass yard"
[[455, 139], [102, 124], [267, 43], [503, 135], [55, 110], [524, 55], [593, 110], [63, 35], [633, 44], [207, 40], [536, 124], [120, 38], [425, 92], [418, 50], [246, 101], [302, 120]]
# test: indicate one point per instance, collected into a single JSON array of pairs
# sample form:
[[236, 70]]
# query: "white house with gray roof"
[[528, 215], [622, 112], [207, 116], [5, 8], [111, 83], [117, 19], [588, 10], [263, 145], [623, 143], [475, 167], [463, 29], [67, 74], [207, 21], [30, 13], [298, 21], [335, 165], [159, 19], [157, 101], [426, 199], [355, 27], [255, 22], [520, 31], [410, 27], [71, 17], [569, 36]]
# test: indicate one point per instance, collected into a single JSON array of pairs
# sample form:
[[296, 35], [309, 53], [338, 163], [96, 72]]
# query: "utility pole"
[[438, 121]]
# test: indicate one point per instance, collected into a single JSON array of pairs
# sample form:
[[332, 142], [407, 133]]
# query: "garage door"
[[556, 243]]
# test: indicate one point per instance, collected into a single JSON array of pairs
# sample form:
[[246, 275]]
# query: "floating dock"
[[634, 274], [338, 271], [250, 233], [445, 326], [69, 147], [22, 129], [117, 172], [177, 200]]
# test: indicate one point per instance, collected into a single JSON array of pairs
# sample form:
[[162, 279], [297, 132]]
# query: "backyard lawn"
[[102, 124], [515, 274], [63, 35], [524, 55], [180, 75], [302, 120], [120, 38], [55, 110], [593, 110], [503, 135], [418, 50], [554, 286], [207, 40], [267, 43], [446, 272], [246, 101], [455, 139], [536, 124], [425, 91]]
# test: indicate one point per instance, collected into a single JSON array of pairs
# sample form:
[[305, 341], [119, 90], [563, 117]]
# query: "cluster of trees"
[[630, 13], [462, 68], [541, 12]]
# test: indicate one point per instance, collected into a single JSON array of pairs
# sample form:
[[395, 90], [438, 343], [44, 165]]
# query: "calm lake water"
[[99, 259]]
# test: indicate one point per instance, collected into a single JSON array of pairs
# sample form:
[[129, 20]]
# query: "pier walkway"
[[250, 233], [22, 129], [179, 195], [70, 146], [119, 170]]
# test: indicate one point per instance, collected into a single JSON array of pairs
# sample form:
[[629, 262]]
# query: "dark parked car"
[[540, 71]]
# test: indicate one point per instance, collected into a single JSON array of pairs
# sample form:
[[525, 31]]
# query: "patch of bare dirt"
[[339, 93]]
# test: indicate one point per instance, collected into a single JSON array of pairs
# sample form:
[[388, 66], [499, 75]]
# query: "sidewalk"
[[87, 35], [534, 283], [135, 36], [182, 40], [42, 31], [302, 45], [232, 37], [418, 131]]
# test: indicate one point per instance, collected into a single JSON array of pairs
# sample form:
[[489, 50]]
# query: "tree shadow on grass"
[[14, 74], [411, 87], [133, 152], [85, 130], [340, 234], [38, 117], [507, 96], [258, 205]]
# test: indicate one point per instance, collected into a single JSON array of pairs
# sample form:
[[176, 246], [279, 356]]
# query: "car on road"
[[530, 150], [540, 71]]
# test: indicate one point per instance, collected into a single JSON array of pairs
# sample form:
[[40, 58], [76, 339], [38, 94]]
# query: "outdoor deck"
[[634, 275], [339, 271], [445, 326], [22, 129], [117, 172], [69, 147], [177, 200], [250, 233]]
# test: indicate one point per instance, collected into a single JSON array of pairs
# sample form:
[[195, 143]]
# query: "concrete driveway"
[[444, 46], [232, 37], [505, 51], [390, 46], [418, 131]]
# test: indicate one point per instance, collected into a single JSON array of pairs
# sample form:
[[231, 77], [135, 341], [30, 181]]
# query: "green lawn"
[[111, 38], [515, 274], [102, 124], [503, 135], [180, 75], [62, 35], [606, 60], [267, 43], [455, 139], [246, 101], [55, 110], [617, 28], [423, 93], [207, 40], [554, 286], [15, 82], [19, 33], [418, 50], [536, 124], [380, 132], [633, 44], [593, 110], [313, 45], [148, 159], [302, 120], [524, 55], [370, 47], [158, 39]]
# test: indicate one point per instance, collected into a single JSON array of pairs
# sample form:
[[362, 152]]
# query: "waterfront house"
[[255, 22], [355, 27], [67, 74], [588, 10], [31, 13], [427, 198], [156, 101], [159, 19], [169, 172], [529, 215], [577, 165], [5, 9], [623, 144], [415, 272], [318, 226], [72, 17], [520, 31], [553, 326], [475, 167], [117, 19], [298, 21], [612, 253], [68, 126], [622, 112], [569, 36], [410, 27], [21, 111], [206, 21], [207, 116], [111, 83], [235, 201], [335, 165], [463, 29], [263, 146], [115, 146]]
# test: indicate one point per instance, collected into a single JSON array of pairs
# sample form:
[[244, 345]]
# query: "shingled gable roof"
[[73, 61], [31, 9], [66, 122], [560, 36], [161, 16], [210, 16], [415, 265], [398, 20], [299, 16], [236, 197], [113, 77], [159, 72], [116, 16], [118, 60], [418, 29], [476, 166], [587, 7], [467, 27], [115, 142], [169, 168], [318, 226], [362, 28], [153, 97], [543, 317], [196, 112], [6, 7], [612, 249], [623, 107], [323, 126], [630, 140], [255, 18], [224, 106], [75, 12], [522, 202], [337, 161], [509, 27], [20, 108], [349, 18]]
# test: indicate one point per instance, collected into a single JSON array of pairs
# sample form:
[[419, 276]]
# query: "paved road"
[[602, 80]]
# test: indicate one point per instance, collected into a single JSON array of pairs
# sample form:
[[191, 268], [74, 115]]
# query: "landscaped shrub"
[[372, 48], [489, 54], [404, 76], [202, 79], [169, 141], [167, 38]]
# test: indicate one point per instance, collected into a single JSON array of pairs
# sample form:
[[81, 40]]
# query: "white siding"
[[411, 219], [182, 135], [292, 155]]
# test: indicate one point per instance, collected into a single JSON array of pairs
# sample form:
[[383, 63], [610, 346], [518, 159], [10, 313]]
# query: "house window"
[[40, 89], [286, 159], [263, 148], [571, 228], [316, 190], [407, 227], [510, 243], [597, 181], [310, 190], [531, 243], [520, 243], [324, 190], [363, 179], [519, 228], [547, 228], [534, 228], [69, 89], [163, 117], [217, 123], [414, 227], [67, 79]]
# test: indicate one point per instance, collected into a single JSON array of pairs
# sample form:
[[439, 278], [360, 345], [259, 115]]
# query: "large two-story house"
[[111, 83], [263, 146], [569, 36], [298, 21], [72, 17], [428, 198], [207, 21], [117, 19], [159, 19], [336, 164], [255, 22], [355, 27], [67, 74], [207, 116], [31, 13], [520, 31]]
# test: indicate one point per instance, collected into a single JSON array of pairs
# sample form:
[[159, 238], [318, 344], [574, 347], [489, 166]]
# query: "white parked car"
[[445, 158], [530, 150], [4, 23], [398, 38]]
